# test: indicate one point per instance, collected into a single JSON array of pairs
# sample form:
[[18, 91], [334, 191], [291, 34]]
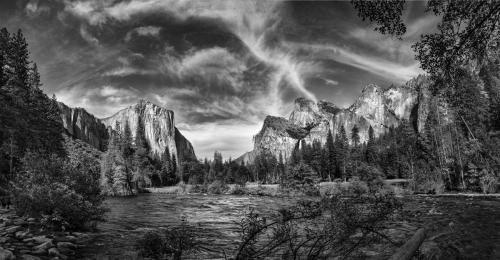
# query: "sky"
[[220, 65]]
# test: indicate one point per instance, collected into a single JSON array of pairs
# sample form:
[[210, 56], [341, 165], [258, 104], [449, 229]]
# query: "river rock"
[[66, 245], [22, 234], [13, 229], [6, 254], [30, 257], [38, 239], [44, 247], [53, 251]]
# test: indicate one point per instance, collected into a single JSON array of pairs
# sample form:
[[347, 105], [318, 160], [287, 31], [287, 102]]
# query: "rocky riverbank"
[[24, 238]]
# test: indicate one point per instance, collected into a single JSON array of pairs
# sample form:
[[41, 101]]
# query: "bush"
[[217, 187], [488, 182], [327, 229], [238, 190], [151, 245], [172, 244], [64, 193], [199, 188]]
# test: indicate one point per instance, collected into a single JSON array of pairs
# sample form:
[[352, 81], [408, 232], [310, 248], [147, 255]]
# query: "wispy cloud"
[[143, 31], [375, 65]]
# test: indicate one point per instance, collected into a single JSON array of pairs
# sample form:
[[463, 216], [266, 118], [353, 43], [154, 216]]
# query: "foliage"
[[238, 190], [217, 187], [316, 229], [462, 59], [302, 178], [65, 193], [28, 118], [488, 182], [386, 14], [174, 242]]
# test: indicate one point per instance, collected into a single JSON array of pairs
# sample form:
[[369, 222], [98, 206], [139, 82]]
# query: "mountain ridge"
[[376, 107]]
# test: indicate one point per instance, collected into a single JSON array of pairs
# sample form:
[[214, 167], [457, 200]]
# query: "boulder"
[[44, 247], [66, 245], [6, 254], [29, 257], [38, 239], [13, 229]]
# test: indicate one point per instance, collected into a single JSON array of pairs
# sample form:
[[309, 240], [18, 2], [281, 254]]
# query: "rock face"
[[159, 128], [84, 126], [376, 107]]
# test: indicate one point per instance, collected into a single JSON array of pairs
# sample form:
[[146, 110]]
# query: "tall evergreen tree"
[[330, 148], [174, 164], [370, 147], [355, 135], [34, 80], [342, 151], [20, 60]]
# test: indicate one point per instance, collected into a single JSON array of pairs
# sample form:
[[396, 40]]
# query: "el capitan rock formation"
[[158, 122], [159, 128]]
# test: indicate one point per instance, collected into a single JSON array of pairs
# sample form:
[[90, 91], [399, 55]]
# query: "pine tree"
[[370, 147], [167, 169], [127, 153], [4, 41], [342, 151], [6, 57], [281, 167], [35, 77], [355, 135], [174, 165], [20, 60], [330, 148], [142, 165]]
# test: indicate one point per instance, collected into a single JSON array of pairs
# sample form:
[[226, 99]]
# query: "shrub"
[[64, 193], [238, 190], [172, 244], [327, 229], [217, 187], [488, 182], [151, 245], [199, 188]]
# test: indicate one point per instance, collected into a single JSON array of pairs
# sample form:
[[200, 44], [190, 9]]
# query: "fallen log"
[[410, 247]]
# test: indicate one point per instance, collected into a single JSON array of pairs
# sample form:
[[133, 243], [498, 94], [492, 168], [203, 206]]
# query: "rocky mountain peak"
[[309, 121]]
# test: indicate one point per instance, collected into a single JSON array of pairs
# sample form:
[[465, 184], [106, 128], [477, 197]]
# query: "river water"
[[215, 218], [463, 228]]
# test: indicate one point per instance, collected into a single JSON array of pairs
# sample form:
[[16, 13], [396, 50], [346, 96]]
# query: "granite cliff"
[[376, 107], [158, 122], [159, 128], [84, 126]]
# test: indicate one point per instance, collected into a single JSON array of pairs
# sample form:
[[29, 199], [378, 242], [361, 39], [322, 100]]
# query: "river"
[[214, 216], [462, 228]]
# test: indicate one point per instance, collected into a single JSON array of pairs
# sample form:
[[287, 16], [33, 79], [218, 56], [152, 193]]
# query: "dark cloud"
[[221, 65]]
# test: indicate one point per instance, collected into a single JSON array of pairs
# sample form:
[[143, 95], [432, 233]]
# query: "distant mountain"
[[375, 107], [159, 127]]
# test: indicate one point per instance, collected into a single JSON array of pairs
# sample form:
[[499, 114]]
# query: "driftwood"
[[410, 247]]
